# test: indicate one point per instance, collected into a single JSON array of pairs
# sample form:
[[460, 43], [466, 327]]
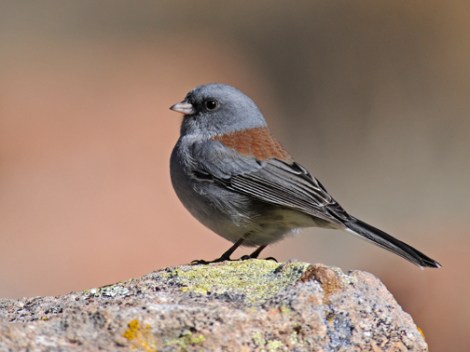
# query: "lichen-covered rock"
[[252, 305]]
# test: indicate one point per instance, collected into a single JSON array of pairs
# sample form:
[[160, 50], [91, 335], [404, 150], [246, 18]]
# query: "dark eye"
[[211, 104]]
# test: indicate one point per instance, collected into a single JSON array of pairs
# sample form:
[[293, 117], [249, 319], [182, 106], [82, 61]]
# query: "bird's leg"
[[229, 252], [223, 257], [258, 250], [256, 253]]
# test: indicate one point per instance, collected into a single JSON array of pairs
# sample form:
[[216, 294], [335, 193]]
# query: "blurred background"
[[372, 97]]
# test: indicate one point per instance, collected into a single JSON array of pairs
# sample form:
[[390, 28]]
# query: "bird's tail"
[[390, 243]]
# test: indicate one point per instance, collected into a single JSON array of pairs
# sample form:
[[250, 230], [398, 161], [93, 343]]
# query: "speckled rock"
[[252, 305]]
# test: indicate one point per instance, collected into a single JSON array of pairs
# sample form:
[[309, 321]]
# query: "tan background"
[[373, 97]]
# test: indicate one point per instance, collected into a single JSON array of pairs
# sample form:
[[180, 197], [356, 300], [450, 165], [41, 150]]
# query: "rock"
[[252, 305]]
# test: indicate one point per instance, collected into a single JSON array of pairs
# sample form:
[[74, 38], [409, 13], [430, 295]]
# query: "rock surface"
[[252, 305]]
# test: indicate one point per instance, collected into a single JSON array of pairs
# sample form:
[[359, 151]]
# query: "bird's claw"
[[205, 262], [227, 259], [271, 258]]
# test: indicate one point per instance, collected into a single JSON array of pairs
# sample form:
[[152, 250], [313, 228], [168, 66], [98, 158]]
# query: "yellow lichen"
[[140, 336], [294, 338], [275, 345], [262, 344], [258, 339], [186, 340], [255, 280], [284, 309]]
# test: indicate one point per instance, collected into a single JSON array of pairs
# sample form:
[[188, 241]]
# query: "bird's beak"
[[184, 108]]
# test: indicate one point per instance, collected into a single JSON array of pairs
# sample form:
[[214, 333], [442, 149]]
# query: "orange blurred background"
[[372, 97]]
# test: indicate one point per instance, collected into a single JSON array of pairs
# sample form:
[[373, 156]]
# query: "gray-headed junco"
[[235, 178]]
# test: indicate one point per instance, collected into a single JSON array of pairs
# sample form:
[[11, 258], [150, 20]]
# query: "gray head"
[[216, 108]]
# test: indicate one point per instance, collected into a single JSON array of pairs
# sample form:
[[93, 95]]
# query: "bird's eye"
[[211, 104]]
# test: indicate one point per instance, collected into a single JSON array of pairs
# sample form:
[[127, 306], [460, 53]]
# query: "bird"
[[232, 175]]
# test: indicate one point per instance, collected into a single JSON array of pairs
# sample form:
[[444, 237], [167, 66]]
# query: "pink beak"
[[184, 108]]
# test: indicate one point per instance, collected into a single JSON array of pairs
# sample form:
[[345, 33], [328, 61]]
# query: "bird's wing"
[[288, 185], [273, 181]]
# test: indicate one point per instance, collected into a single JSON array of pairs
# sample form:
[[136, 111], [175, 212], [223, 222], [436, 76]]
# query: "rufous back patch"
[[257, 142]]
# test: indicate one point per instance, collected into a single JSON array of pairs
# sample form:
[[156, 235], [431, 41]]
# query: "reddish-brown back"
[[257, 142]]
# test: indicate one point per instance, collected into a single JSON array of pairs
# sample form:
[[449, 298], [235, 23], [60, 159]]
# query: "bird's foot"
[[224, 257], [228, 259], [246, 257], [271, 258], [218, 260]]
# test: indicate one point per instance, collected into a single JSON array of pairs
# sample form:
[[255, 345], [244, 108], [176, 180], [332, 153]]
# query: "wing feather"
[[285, 185], [272, 181]]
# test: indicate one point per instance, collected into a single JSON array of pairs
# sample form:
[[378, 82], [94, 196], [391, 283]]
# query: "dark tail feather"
[[390, 243]]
